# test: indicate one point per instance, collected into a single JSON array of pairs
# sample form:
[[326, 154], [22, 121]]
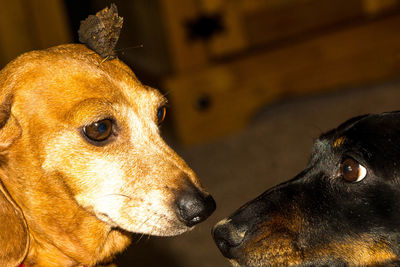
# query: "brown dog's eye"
[[161, 112], [352, 171], [98, 131]]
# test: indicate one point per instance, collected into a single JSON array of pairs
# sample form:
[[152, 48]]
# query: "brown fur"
[[53, 179], [276, 244]]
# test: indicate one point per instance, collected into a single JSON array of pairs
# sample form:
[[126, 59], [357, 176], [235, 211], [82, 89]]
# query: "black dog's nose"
[[228, 237], [195, 207]]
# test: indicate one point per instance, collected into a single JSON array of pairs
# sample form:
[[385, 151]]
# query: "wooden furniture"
[[257, 52], [31, 24]]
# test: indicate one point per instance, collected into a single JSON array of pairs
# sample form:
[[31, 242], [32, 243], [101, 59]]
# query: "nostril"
[[227, 237], [195, 208]]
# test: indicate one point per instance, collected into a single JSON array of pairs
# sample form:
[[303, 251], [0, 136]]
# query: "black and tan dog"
[[343, 209]]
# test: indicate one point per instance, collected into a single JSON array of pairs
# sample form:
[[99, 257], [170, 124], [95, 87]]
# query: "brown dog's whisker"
[[116, 194], [167, 93], [140, 238], [149, 236], [153, 227]]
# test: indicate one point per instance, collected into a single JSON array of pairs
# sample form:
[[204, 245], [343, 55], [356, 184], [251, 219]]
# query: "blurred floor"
[[273, 148]]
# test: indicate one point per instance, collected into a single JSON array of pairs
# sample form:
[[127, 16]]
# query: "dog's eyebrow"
[[161, 99], [339, 141], [89, 111]]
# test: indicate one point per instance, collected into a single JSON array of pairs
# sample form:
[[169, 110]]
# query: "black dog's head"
[[343, 209]]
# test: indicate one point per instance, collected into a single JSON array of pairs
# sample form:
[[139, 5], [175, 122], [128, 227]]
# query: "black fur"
[[320, 219]]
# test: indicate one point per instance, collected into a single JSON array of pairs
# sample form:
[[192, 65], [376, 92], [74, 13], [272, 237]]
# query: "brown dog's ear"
[[10, 129], [14, 238]]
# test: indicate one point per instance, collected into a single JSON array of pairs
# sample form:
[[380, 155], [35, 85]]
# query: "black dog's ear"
[[14, 238], [10, 129]]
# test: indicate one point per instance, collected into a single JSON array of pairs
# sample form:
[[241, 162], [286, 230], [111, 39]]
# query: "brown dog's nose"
[[228, 237], [194, 207]]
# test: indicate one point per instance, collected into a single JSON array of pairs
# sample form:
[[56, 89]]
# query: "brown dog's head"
[[82, 155]]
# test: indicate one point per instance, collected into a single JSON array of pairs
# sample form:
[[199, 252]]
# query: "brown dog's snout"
[[194, 206]]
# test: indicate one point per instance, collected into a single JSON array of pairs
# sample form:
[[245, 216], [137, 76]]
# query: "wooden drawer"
[[31, 24], [225, 27], [216, 100]]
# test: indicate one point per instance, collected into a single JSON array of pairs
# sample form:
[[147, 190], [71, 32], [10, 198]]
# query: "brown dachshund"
[[82, 162]]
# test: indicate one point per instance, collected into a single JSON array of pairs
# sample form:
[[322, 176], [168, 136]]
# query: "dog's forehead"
[[374, 138], [365, 129], [68, 74]]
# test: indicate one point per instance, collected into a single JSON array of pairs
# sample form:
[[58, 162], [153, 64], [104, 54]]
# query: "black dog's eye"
[[99, 131], [161, 112], [352, 171]]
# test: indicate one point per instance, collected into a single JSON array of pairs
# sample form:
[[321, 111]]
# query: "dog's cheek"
[[271, 249], [82, 170], [359, 250], [103, 190], [118, 188], [89, 175]]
